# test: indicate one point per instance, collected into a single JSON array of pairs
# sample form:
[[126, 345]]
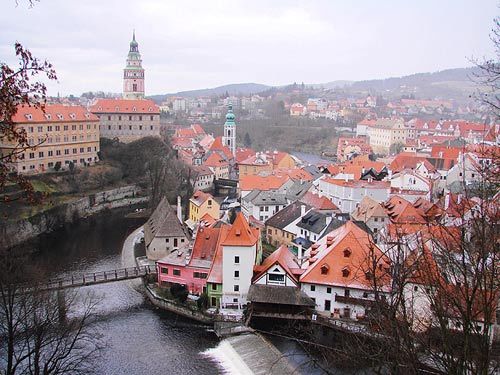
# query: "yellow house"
[[200, 204], [265, 162]]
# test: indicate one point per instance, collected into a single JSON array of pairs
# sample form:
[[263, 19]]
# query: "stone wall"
[[15, 233]]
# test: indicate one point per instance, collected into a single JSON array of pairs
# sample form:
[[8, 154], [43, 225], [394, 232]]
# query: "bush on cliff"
[[179, 292]]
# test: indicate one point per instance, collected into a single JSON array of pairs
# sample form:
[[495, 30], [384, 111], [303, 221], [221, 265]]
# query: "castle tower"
[[133, 74], [229, 138]]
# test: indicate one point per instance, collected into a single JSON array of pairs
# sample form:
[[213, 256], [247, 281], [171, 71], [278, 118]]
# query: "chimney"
[[300, 252], [459, 198], [179, 209], [302, 209], [328, 220], [447, 201]]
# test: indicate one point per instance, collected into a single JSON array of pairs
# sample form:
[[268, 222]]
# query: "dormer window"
[[100, 108], [48, 116], [134, 109], [117, 108], [346, 272], [347, 253], [60, 116], [150, 109], [72, 116], [28, 116], [324, 269]]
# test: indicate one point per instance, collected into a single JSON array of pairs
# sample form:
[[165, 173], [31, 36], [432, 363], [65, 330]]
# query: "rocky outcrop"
[[17, 232]]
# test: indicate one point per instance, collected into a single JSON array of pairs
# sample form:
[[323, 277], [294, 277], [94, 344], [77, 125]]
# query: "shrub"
[[179, 292], [202, 302]]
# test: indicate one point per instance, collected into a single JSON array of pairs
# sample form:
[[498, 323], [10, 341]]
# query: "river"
[[139, 338]]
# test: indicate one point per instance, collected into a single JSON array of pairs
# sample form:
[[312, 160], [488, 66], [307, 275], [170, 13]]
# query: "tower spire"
[[133, 36]]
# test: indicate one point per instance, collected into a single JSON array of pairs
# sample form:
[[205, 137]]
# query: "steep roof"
[[199, 197], [163, 223], [215, 160], [215, 273], [368, 208], [284, 257], [218, 146], [329, 264], [318, 202], [204, 247], [240, 233], [401, 211], [128, 106], [53, 113], [287, 215], [406, 160], [262, 198]]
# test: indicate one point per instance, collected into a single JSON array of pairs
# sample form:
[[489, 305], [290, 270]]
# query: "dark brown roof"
[[163, 223], [279, 295], [284, 217]]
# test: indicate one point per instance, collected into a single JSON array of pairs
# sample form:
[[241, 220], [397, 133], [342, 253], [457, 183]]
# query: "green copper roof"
[[133, 43], [230, 115]]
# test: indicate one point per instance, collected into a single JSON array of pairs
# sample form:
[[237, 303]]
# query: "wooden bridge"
[[94, 278]]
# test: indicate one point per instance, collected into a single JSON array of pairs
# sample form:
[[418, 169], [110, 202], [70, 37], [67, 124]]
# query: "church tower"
[[133, 74], [229, 138]]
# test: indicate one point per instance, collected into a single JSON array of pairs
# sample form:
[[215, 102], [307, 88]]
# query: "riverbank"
[[16, 232], [248, 353]]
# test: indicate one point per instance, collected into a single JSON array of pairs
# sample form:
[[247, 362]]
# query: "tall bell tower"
[[229, 138], [133, 74]]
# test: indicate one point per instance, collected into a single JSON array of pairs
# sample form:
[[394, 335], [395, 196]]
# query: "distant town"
[[378, 202]]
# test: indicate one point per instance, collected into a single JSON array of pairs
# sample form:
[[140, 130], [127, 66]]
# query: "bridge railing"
[[89, 278]]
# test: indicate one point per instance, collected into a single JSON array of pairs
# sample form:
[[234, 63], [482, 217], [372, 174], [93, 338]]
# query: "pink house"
[[188, 266]]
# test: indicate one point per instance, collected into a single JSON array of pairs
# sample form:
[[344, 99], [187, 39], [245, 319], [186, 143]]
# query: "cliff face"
[[15, 233]]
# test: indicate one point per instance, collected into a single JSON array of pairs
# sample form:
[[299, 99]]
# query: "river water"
[[139, 338]]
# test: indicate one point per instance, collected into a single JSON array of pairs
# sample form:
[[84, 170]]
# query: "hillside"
[[451, 83], [231, 89]]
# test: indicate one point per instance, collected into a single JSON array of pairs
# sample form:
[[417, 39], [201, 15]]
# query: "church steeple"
[[133, 74], [229, 138]]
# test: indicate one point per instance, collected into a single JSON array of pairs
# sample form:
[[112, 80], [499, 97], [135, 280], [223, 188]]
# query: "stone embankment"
[[13, 233]]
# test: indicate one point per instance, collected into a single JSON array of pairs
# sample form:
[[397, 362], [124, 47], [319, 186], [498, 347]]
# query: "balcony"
[[353, 300]]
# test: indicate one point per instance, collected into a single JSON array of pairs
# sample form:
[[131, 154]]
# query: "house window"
[[176, 242], [365, 295], [177, 272], [328, 305], [276, 277], [214, 286], [329, 290], [313, 288], [164, 270], [236, 288], [214, 301], [237, 259], [236, 274], [347, 293]]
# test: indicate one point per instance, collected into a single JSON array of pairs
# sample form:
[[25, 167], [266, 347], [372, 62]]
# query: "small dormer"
[[87, 115], [28, 116], [100, 108], [324, 269], [48, 116], [150, 109], [347, 252], [346, 272], [60, 116], [117, 109], [72, 116], [134, 109]]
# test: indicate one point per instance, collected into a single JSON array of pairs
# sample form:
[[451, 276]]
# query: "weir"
[[251, 353]]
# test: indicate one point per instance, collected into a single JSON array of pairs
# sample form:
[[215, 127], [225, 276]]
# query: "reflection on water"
[[140, 339]]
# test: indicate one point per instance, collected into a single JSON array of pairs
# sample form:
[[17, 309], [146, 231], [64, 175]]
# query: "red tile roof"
[[317, 202], [271, 182], [53, 113], [285, 259], [342, 258], [401, 211], [199, 197], [215, 160], [140, 106], [205, 244], [240, 233], [218, 146]]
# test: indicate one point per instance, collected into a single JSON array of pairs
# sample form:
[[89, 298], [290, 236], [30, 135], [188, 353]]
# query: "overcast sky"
[[199, 44]]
